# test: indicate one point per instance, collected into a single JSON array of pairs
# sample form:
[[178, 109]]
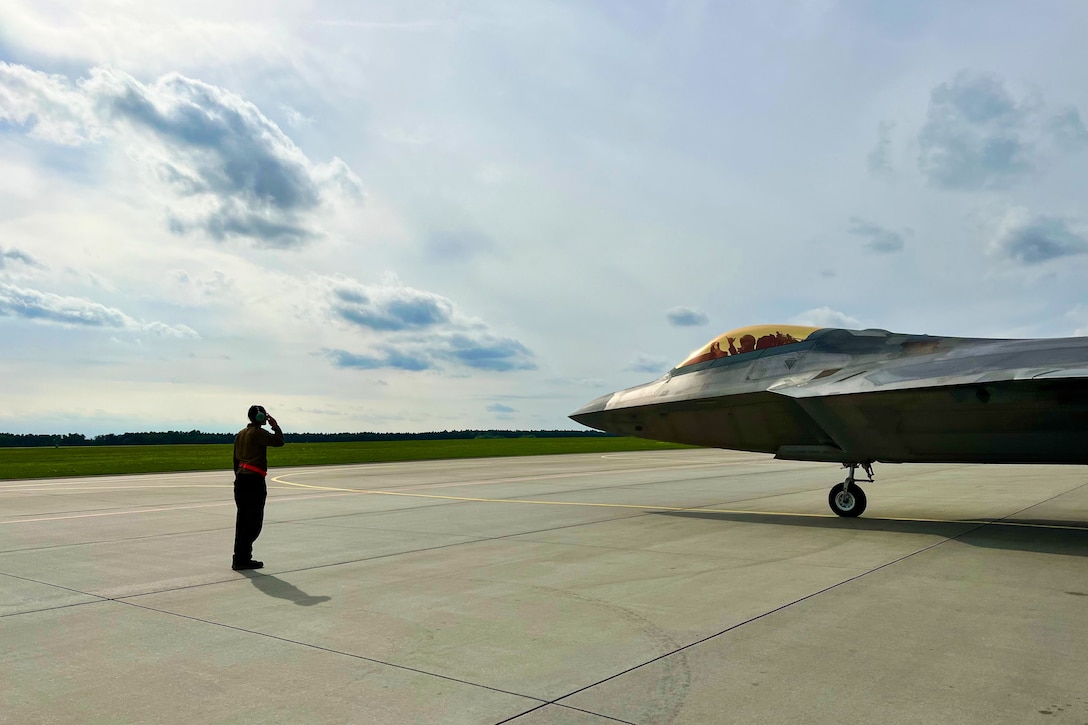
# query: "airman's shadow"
[[1041, 536], [278, 588]]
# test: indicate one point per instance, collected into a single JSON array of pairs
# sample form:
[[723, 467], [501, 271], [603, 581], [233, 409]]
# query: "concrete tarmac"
[[694, 586]]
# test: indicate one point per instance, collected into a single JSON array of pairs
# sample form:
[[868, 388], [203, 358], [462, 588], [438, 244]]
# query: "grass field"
[[103, 460]]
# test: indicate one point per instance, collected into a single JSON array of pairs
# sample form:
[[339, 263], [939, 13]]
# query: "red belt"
[[252, 468]]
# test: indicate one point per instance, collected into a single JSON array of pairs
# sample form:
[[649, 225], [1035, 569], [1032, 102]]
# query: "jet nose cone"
[[592, 414]]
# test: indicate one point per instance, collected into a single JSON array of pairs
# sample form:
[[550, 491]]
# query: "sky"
[[439, 215]]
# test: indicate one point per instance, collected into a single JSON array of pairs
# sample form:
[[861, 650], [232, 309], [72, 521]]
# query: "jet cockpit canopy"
[[748, 339]]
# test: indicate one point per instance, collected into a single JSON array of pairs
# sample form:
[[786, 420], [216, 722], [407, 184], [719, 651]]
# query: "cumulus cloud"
[[880, 161], [480, 349], [475, 351], [878, 239], [47, 307], [1033, 239], [978, 136], [827, 317], [46, 107], [14, 255], [234, 171], [389, 306], [643, 363], [295, 118], [385, 357], [197, 289], [411, 329], [1066, 130], [686, 317]]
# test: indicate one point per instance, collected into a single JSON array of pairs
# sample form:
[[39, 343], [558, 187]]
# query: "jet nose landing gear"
[[847, 498]]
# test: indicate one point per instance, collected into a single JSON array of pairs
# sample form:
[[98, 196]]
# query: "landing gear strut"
[[847, 498]]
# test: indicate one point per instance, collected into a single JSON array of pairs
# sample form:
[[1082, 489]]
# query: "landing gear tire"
[[849, 502]]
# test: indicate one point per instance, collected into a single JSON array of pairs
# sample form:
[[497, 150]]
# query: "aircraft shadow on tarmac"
[[1012, 534], [278, 588]]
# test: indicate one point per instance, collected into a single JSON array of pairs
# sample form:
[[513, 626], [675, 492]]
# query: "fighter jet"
[[857, 397]]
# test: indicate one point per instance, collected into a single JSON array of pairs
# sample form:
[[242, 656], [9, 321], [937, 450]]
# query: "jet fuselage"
[[859, 396]]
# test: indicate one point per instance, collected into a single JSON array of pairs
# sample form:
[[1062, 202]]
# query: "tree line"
[[175, 437]]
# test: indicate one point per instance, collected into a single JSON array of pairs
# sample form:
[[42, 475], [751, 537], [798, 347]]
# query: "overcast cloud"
[[375, 216]]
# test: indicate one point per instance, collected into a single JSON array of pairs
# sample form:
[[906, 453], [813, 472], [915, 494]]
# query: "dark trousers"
[[250, 492]]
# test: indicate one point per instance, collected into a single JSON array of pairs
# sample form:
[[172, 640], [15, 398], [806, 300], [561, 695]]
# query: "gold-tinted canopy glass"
[[749, 339]]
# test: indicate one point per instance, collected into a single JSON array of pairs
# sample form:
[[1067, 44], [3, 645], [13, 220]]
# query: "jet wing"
[[978, 401], [965, 362]]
